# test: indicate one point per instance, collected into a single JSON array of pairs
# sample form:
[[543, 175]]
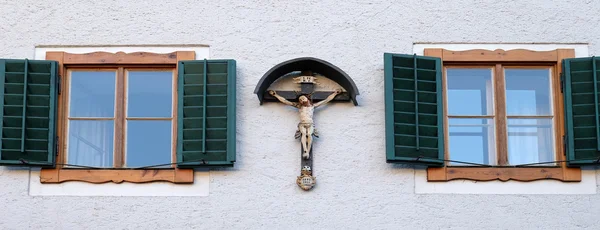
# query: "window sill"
[[504, 174], [177, 176]]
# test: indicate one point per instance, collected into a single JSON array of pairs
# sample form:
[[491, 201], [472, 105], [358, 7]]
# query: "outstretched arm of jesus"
[[329, 98], [283, 100]]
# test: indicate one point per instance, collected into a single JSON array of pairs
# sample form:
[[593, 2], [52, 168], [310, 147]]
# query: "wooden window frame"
[[498, 58], [120, 61]]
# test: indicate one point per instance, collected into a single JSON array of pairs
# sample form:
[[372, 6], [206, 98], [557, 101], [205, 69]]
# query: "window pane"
[[530, 141], [528, 92], [91, 143], [472, 140], [149, 94], [470, 91], [92, 94], [148, 143]]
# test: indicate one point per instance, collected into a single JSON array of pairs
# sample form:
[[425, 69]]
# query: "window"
[[478, 114], [120, 118], [102, 117], [500, 115]]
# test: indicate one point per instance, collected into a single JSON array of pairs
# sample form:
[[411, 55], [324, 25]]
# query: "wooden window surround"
[[118, 60], [498, 58]]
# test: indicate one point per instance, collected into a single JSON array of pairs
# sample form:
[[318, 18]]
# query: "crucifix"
[[306, 127]]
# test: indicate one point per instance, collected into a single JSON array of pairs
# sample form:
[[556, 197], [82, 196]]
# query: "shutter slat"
[[207, 109], [410, 91], [28, 96], [414, 130], [411, 113]]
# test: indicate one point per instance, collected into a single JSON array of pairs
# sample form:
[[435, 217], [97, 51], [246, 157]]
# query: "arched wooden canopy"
[[314, 65]]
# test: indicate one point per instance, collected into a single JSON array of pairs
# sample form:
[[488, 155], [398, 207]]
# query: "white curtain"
[[90, 141], [530, 140]]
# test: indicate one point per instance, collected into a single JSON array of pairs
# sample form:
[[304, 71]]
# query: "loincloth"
[[306, 126]]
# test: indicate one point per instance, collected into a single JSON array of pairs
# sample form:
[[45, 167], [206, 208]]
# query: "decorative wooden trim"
[[499, 55], [524, 57], [113, 60], [177, 176], [503, 174], [181, 56], [93, 67], [120, 58], [60, 125], [560, 118]]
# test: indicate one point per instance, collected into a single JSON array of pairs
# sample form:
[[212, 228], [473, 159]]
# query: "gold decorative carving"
[[306, 181]]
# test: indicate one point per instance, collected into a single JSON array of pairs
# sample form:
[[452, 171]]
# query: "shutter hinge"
[[56, 150], [562, 82], [58, 84], [564, 139]]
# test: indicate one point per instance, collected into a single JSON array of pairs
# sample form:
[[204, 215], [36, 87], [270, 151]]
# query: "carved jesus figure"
[[306, 110]]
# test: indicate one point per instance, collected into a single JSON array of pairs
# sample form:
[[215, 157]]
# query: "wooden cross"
[[306, 180]]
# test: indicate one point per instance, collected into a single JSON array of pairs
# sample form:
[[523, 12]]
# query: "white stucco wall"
[[356, 188]]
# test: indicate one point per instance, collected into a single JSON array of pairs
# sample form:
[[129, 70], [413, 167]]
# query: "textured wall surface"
[[356, 188]]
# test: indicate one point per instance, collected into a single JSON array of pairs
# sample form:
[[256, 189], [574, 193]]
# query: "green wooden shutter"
[[28, 112], [413, 109], [206, 118], [580, 86]]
